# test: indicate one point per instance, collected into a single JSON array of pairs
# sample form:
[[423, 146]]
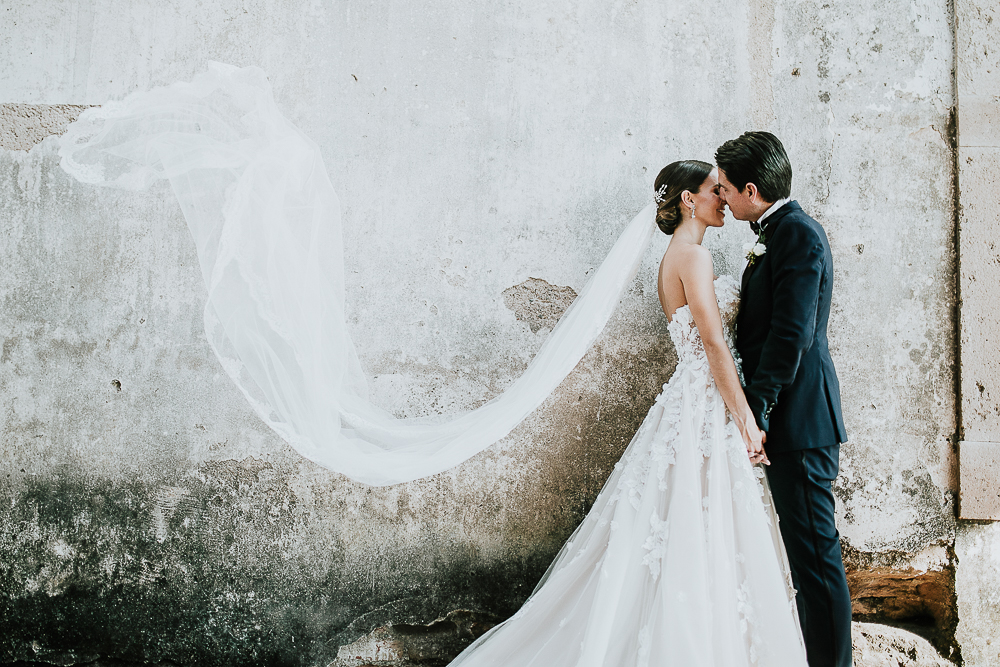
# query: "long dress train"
[[679, 562]]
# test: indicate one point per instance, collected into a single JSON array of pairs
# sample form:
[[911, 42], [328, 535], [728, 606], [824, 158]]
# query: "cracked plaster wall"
[[474, 147]]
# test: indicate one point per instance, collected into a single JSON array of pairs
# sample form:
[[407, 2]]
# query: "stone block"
[[980, 275], [979, 464], [979, 120], [978, 45], [977, 548], [884, 646]]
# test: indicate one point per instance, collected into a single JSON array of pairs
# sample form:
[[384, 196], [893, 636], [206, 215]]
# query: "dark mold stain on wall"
[[84, 571]]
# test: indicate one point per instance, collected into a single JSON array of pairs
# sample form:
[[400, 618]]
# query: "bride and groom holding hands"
[[681, 561]]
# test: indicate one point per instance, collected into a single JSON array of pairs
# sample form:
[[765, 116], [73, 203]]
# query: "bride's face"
[[709, 205]]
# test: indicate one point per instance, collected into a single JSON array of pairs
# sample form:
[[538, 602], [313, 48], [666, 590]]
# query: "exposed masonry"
[[538, 303], [912, 590], [22, 126], [881, 646]]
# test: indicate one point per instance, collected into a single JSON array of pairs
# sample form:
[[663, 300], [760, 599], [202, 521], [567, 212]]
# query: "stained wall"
[[477, 149]]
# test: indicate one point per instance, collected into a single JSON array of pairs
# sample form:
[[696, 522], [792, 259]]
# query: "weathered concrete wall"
[[147, 513], [872, 89]]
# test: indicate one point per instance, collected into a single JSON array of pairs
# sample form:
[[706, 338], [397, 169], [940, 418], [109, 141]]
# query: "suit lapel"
[[772, 221], [743, 292], [746, 280]]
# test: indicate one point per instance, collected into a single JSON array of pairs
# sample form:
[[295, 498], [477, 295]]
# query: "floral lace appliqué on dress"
[[679, 561]]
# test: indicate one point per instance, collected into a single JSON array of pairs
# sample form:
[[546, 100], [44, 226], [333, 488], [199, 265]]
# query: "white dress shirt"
[[774, 207]]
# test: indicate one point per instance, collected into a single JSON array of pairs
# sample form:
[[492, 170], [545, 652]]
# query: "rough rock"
[[884, 646], [923, 598]]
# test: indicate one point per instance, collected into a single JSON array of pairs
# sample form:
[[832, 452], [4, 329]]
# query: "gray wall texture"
[[486, 156]]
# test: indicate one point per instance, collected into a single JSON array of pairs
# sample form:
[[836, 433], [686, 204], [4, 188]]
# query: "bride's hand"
[[754, 439], [760, 457]]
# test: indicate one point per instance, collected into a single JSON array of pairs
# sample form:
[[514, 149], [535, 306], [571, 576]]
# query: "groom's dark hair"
[[758, 158]]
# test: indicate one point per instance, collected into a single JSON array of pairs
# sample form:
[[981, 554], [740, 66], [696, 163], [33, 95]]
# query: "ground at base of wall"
[[874, 646]]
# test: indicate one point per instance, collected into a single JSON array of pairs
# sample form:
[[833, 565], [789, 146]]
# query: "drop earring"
[[692, 212]]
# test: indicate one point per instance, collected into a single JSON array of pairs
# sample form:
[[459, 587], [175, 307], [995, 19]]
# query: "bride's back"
[[669, 283]]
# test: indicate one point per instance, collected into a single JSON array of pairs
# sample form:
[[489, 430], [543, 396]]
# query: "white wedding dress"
[[679, 563]]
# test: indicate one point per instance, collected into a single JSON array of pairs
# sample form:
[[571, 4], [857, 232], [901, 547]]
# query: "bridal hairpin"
[[660, 194]]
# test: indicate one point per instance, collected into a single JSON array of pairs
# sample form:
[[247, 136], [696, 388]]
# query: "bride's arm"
[[697, 278]]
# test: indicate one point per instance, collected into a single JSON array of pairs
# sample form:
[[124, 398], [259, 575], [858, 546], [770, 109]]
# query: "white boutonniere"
[[755, 249]]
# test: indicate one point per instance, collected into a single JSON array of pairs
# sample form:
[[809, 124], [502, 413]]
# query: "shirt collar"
[[774, 207]]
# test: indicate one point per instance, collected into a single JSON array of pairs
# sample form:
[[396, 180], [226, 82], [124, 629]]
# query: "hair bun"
[[672, 181], [668, 216]]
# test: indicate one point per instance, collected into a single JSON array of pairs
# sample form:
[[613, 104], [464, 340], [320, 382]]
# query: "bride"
[[679, 561]]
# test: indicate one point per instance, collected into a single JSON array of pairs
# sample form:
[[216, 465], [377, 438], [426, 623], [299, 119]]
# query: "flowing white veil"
[[266, 221]]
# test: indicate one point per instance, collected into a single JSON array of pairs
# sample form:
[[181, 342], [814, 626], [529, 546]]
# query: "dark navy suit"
[[792, 389]]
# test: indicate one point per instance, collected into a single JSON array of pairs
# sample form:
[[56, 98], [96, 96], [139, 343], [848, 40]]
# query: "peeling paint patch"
[[22, 126], [538, 303]]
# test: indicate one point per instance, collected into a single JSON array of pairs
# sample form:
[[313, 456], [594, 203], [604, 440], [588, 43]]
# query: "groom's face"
[[741, 204]]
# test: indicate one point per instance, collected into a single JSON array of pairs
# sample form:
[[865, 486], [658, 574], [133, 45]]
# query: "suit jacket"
[[791, 384]]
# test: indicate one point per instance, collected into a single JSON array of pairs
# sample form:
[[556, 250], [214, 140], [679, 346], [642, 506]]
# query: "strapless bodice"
[[684, 333]]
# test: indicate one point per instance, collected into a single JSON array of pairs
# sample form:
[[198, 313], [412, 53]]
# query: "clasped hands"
[[754, 439]]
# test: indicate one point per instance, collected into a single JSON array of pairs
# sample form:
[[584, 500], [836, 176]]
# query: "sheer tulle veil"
[[266, 221]]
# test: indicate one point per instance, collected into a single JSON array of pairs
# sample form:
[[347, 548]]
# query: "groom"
[[791, 384]]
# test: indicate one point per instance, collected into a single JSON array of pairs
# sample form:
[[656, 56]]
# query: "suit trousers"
[[803, 498]]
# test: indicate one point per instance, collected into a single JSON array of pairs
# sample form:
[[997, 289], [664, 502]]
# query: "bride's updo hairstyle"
[[674, 179]]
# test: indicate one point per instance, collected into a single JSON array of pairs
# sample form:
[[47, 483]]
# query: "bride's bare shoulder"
[[687, 257]]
